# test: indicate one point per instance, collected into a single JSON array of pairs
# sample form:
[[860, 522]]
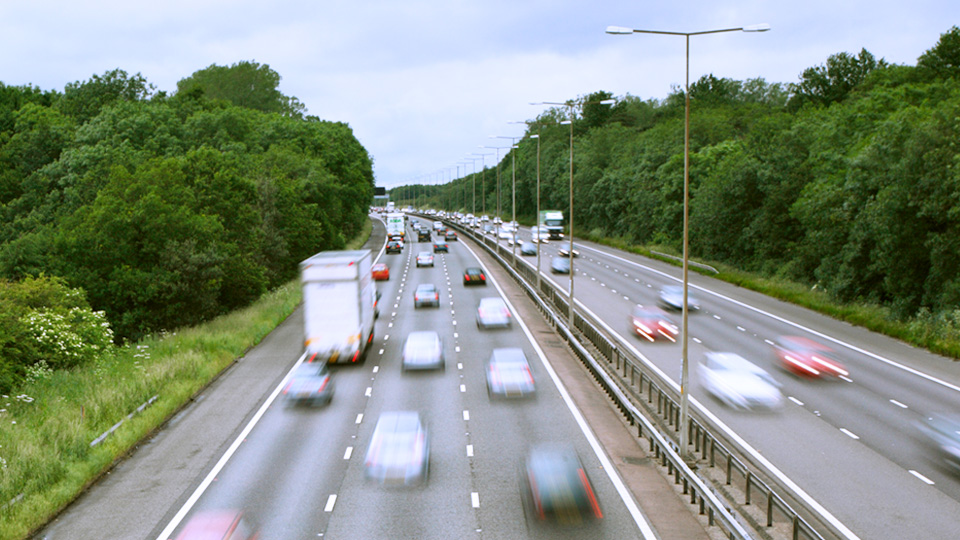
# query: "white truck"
[[338, 306], [395, 225], [553, 221]]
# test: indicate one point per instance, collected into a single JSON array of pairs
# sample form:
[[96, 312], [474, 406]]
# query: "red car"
[[653, 323], [808, 358], [381, 272], [218, 525]]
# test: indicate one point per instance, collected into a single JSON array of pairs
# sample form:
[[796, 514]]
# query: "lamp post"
[[483, 179], [513, 205], [570, 104], [497, 223], [684, 364]]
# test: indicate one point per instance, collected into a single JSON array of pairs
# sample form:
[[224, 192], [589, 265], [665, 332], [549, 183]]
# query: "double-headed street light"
[[483, 179], [513, 205], [684, 367], [571, 105]]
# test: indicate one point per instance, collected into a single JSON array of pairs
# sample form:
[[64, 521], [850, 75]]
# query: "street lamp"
[[684, 367], [513, 158], [570, 104], [497, 223], [483, 180]]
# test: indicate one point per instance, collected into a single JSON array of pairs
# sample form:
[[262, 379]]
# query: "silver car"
[[426, 294], [508, 374], [739, 383], [310, 384], [424, 258], [493, 313], [422, 350], [671, 297], [399, 452]]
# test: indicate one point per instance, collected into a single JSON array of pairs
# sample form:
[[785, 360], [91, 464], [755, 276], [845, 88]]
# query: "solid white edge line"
[[608, 466], [755, 455], [197, 493], [849, 433], [836, 341], [898, 404], [926, 480]]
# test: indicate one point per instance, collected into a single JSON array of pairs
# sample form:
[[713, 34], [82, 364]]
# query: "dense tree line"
[[165, 210], [848, 179]]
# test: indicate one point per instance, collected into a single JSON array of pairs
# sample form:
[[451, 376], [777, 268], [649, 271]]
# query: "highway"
[[300, 473], [851, 443]]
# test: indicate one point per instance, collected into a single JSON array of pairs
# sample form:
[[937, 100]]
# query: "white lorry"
[[338, 306], [553, 221], [395, 225]]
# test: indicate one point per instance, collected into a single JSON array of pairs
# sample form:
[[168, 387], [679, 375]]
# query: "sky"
[[425, 83]]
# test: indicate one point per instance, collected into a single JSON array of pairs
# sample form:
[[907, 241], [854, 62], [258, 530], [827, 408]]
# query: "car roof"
[[487, 302], [426, 286], [473, 270], [510, 355]]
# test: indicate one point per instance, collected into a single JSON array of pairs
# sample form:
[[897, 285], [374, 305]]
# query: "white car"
[[422, 350], [424, 258], [738, 383], [493, 313], [539, 235]]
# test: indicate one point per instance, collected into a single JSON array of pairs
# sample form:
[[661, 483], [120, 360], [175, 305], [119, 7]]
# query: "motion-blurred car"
[[493, 313], [422, 350], [942, 432], [671, 297], [560, 265], [380, 272], [528, 248], [565, 251], [437, 225], [310, 384], [426, 294], [423, 235], [506, 235], [488, 229], [451, 236], [218, 525], [508, 374], [652, 323], [739, 383], [394, 246], [556, 486], [474, 276], [808, 358], [539, 235], [440, 246], [424, 258], [399, 452]]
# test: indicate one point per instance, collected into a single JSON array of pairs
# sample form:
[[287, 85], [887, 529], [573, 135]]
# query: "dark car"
[[310, 384], [474, 276], [560, 265], [394, 246], [423, 235], [440, 246], [451, 236], [556, 486]]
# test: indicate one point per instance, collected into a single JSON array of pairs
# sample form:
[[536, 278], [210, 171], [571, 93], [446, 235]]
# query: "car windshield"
[[426, 289]]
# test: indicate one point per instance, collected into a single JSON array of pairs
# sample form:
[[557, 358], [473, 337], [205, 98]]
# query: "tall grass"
[[46, 428]]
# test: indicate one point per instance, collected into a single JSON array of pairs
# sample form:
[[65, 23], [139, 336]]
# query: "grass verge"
[[46, 460]]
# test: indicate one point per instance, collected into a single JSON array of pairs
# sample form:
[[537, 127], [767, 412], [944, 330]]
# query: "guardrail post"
[[749, 477], [769, 508]]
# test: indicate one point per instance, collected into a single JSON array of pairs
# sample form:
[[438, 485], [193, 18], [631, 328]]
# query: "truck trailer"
[[338, 306], [395, 225]]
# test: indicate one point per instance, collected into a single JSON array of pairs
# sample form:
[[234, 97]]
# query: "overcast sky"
[[424, 83]]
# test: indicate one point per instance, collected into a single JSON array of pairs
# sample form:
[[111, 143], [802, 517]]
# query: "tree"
[[246, 84], [83, 101], [943, 60], [823, 85]]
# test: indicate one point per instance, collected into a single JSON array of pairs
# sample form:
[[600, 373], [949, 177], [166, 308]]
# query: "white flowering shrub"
[[67, 338]]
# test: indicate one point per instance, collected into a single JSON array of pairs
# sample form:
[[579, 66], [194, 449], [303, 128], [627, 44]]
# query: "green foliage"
[[84, 100], [245, 84], [943, 60], [831, 83]]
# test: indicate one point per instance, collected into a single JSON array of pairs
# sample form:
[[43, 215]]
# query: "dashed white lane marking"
[[377, 368], [368, 392], [795, 400], [626, 298], [455, 335], [348, 453], [849, 433], [898, 404], [742, 329], [458, 348], [332, 500], [469, 450], [466, 415], [717, 317], [698, 340], [386, 337], [459, 365], [768, 342], [475, 499], [360, 418], [463, 388], [928, 481], [844, 377], [390, 325]]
